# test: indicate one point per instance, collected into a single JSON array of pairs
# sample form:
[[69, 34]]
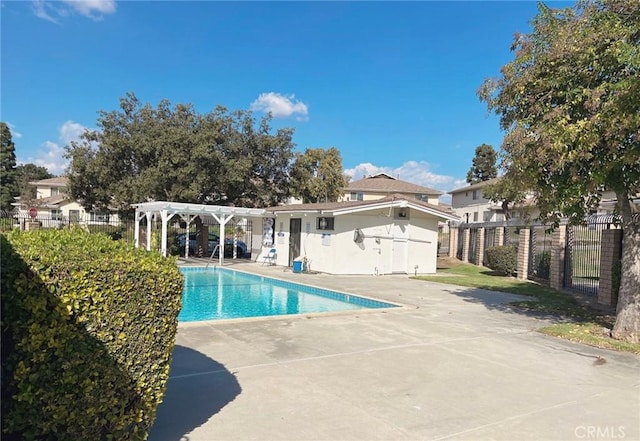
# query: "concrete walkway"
[[453, 363]]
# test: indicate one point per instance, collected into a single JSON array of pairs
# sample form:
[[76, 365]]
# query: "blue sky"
[[392, 85]]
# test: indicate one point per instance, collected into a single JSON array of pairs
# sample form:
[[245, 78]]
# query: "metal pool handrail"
[[217, 247]]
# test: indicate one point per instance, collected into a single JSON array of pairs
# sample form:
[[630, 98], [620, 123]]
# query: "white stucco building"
[[395, 234], [471, 206], [53, 207]]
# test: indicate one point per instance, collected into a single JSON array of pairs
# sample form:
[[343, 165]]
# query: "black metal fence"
[[490, 240], [237, 234], [444, 235], [582, 255], [512, 236], [540, 241], [473, 245], [117, 229]]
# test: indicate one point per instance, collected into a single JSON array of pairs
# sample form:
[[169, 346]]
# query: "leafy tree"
[[8, 186], [317, 175], [26, 173], [141, 153], [570, 104], [484, 165], [507, 192]]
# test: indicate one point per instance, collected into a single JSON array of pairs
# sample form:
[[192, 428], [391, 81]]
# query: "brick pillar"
[[558, 245], [523, 253], [453, 242], [499, 240], [480, 247], [610, 252], [465, 244]]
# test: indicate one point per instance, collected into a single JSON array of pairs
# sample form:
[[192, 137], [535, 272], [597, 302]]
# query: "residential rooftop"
[[476, 186], [383, 182]]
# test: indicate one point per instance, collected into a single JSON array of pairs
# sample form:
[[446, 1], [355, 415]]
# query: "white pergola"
[[188, 212]]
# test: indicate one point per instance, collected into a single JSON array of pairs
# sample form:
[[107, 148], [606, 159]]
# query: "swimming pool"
[[220, 293]]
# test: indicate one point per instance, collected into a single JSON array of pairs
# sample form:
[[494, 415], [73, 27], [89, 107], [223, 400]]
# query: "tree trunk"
[[505, 210], [627, 326], [201, 240]]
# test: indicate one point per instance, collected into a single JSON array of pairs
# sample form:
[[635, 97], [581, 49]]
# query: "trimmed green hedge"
[[502, 259], [88, 327]]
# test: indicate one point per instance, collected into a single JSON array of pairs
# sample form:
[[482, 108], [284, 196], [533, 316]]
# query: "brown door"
[[295, 227]]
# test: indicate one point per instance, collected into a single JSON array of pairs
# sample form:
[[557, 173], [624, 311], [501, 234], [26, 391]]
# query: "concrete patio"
[[453, 363]]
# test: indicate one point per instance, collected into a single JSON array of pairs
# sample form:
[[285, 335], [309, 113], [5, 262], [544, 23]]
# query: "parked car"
[[242, 250]]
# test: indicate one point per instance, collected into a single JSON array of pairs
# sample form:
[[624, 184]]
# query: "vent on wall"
[[401, 213]]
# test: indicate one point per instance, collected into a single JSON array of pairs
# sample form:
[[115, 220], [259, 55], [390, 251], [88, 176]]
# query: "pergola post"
[[222, 220], [136, 230], [149, 216], [188, 219], [165, 216]]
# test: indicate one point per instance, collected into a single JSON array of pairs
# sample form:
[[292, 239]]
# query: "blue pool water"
[[218, 293]]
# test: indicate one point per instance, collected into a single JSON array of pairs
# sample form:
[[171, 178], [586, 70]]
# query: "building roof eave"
[[364, 206]]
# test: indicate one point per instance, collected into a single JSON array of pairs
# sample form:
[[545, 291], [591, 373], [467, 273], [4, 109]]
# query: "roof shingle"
[[58, 181], [385, 183]]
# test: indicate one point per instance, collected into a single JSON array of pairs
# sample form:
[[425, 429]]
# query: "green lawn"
[[581, 324], [543, 298]]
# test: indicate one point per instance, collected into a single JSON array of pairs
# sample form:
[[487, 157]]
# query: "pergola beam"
[[222, 214]]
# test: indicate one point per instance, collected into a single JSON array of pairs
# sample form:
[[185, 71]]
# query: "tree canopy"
[[570, 105], [483, 166], [140, 153], [317, 175], [26, 173], [8, 186]]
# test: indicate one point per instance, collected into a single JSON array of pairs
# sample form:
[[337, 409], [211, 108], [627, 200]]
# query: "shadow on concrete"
[[501, 301], [198, 388], [554, 310]]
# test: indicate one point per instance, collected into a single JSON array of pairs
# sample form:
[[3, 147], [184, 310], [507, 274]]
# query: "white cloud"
[[94, 9], [44, 10], [51, 158], [71, 131], [417, 172], [51, 154], [280, 106], [54, 11], [14, 133]]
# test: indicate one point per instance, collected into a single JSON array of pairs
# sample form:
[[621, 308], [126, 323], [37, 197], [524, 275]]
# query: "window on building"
[[99, 217], [476, 195], [356, 196], [422, 197], [74, 216], [487, 215], [56, 214], [55, 191], [324, 223], [475, 216]]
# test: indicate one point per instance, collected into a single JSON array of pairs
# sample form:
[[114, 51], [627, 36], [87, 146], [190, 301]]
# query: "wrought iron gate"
[[582, 256]]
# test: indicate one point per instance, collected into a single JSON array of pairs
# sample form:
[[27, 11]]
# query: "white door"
[[400, 247]]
